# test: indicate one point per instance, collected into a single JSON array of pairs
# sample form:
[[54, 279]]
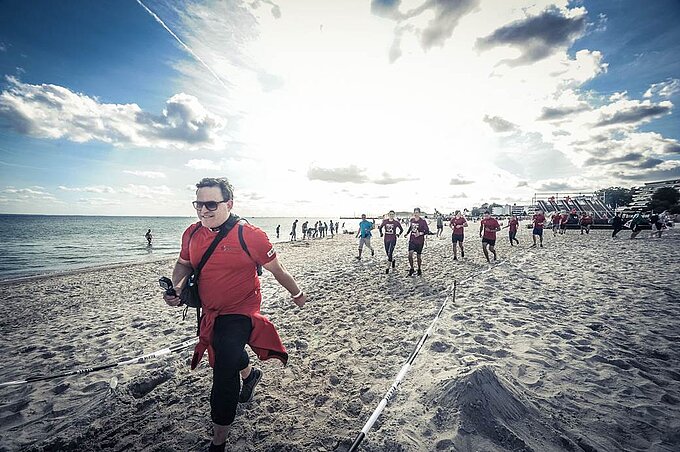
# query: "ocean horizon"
[[38, 244]]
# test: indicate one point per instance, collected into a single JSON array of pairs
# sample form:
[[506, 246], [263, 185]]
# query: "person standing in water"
[[278, 230], [149, 237], [458, 224], [293, 231], [390, 227]]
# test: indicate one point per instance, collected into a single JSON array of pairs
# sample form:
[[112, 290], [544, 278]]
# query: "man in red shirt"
[[487, 231], [556, 218], [513, 225], [564, 219], [539, 221], [458, 224], [229, 289], [416, 231], [585, 222]]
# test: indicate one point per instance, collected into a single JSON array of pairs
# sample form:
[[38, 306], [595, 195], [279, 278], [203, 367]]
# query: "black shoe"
[[249, 388], [410, 272], [420, 273], [394, 263], [462, 253], [372, 253], [387, 271], [455, 258], [216, 448]]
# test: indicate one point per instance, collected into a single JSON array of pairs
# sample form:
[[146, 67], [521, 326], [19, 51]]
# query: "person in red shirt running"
[[555, 218], [457, 225], [585, 222], [416, 231], [513, 225], [229, 289], [487, 231], [390, 227], [539, 221], [564, 219]]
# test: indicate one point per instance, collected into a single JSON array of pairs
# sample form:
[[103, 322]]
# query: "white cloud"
[[90, 189], [145, 191], [99, 202], [203, 164], [663, 89], [147, 174], [54, 112]]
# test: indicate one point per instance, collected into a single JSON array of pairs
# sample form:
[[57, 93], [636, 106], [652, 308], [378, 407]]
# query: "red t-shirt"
[[564, 219], [389, 228], [514, 223], [587, 219], [539, 220], [457, 224], [556, 219], [490, 224], [418, 226], [228, 284]]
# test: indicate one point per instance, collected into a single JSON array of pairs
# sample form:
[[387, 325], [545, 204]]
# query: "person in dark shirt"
[[416, 232], [617, 223], [390, 227], [487, 231]]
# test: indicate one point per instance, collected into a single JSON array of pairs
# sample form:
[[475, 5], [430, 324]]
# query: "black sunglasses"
[[210, 205]]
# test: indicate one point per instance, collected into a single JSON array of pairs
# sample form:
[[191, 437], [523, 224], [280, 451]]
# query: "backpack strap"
[[245, 247]]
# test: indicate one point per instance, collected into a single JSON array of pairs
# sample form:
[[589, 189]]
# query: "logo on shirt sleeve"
[[271, 252]]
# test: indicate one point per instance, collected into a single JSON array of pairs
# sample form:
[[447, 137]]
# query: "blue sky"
[[373, 105]]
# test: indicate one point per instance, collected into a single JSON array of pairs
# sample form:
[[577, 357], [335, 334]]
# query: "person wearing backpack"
[[230, 297]]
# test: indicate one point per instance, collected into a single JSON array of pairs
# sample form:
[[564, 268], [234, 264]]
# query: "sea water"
[[44, 244]]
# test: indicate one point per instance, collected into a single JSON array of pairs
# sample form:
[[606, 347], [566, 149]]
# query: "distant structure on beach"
[[579, 202], [643, 195]]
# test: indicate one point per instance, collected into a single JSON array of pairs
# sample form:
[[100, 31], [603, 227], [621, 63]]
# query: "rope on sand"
[[86, 370], [409, 362]]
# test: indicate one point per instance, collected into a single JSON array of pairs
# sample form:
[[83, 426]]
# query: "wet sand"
[[570, 347]]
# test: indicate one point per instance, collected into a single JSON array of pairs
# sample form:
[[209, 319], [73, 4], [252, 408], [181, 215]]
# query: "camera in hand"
[[166, 284]]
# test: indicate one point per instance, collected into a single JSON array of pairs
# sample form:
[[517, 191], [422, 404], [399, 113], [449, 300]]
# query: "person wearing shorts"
[[416, 231], [556, 217], [457, 225], [513, 225], [539, 221], [487, 231], [564, 219], [364, 234], [585, 222]]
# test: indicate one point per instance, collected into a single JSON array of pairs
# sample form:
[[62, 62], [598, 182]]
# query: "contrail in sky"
[[186, 47]]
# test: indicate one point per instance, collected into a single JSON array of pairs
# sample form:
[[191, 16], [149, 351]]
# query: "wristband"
[[298, 295]]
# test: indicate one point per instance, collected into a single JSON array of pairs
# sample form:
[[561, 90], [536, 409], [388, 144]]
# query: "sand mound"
[[485, 411]]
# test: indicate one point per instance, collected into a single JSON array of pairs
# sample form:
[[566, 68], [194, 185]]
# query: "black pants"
[[389, 248], [512, 235], [230, 335], [616, 231]]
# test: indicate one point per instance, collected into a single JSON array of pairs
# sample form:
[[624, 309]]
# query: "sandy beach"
[[571, 347]]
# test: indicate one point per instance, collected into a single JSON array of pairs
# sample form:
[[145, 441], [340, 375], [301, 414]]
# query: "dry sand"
[[570, 347]]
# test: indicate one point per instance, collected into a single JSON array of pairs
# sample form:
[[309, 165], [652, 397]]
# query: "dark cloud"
[[556, 186], [386, 8], [649, 176], [522, 183], [458, 180], [630, 157], [672, 148], [536, 37], [351, 174], [634, 114], [551, 114], [458, 196], [499, 124]]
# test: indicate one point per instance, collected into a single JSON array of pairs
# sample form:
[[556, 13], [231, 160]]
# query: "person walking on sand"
[[564, 219], [230, 295], [416, 232], [655, 222], [390, 226], [293, 231], [555, 218], [513, 225], [440, 225], [278, 229], [458, 224], [636, 225], [332, 229], [149, 237], [617, 223], [487, 231], [663, 220], [585, 222], [364, 234], [539, 221]]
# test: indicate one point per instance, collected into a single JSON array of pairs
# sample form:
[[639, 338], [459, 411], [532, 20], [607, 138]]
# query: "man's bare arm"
[[286, 280]]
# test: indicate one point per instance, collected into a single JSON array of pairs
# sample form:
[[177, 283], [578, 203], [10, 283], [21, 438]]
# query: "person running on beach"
[[416, 231], [487, 231], [278, 230], [512, 226], [564, 219], [364, 234], [293, 231], [230, 294], [149, 237], [636, 224], [585, 222], [458, 224], [390, 226], [555, 218], [617, 223], [440, 225], [663, 220], [539, 221], [655, 223]]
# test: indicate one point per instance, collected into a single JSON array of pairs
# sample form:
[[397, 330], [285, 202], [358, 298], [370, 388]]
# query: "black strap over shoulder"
[[258, 267], [224, 230]]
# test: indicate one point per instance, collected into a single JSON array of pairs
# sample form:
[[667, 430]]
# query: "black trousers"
[[230, 335], [616, 231], [389, 248]]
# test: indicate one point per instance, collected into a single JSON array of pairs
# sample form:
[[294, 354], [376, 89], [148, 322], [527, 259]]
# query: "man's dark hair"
[[222, 182]]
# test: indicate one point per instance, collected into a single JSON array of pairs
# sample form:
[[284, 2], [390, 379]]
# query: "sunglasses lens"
[[210, 205]]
